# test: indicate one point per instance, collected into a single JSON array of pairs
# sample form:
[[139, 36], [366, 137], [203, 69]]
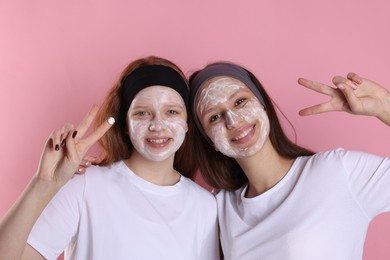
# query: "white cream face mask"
[[235, 124], [157, 122]]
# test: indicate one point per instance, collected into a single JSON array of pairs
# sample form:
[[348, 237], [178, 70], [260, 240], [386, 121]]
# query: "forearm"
[[17, 224]]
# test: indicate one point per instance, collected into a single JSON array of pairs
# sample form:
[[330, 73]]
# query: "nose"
[[157, 124], [232, 119]]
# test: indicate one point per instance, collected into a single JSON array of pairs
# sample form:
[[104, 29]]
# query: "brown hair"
[[116, 144], [223, 172]]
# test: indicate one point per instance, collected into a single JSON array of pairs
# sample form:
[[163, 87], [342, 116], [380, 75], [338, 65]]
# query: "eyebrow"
[[139, 107], [173, 104]]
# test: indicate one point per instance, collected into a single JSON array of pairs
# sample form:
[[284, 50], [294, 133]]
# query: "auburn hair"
[[116, 144]]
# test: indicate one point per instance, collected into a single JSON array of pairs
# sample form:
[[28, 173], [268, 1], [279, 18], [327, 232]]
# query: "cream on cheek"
[[158, 136], [251, 114], [141, 137]]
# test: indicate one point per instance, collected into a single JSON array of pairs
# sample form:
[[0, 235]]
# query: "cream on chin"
[[154, 148]]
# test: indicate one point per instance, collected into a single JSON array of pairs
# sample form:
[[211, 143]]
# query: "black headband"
[[147, 76], [216, 70]]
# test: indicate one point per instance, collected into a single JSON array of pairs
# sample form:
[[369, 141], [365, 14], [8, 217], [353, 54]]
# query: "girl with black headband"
[[140, 203], [277, 200]]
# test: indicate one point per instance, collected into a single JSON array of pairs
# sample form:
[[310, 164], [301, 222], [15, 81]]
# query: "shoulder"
[[344, 155], [332, 162], [105, 178], [96, 172], [328, 154], [198, 190], [96, 169], [325, 157], [321, 162]]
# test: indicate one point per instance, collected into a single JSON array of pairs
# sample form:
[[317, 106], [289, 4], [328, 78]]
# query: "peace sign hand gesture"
[[353, 94], [65, 148]]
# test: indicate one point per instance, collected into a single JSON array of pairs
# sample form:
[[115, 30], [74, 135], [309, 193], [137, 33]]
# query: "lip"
[[158, 142], [243, 135]]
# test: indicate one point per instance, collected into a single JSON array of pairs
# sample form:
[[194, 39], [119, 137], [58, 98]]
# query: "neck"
[[159, 173], [264, 169]]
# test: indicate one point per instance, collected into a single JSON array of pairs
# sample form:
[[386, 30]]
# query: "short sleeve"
[[368, 178], [58, 223]]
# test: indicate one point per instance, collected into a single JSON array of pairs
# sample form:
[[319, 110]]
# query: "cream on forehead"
[[158, 95], [218, 92]]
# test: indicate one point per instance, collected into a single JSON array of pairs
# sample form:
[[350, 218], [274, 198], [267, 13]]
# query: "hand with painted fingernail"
[[64, 153]]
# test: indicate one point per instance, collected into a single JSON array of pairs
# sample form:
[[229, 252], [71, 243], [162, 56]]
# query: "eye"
[[240, 101], [173, 112], [215, 117], [142, 113]]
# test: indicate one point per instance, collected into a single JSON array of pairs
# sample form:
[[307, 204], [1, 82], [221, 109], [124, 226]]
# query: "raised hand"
[[353, 94], [65, 149], [61, 158]]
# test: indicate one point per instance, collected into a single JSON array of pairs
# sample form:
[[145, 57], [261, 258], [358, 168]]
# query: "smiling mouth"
[[243, 134], [158, 141]]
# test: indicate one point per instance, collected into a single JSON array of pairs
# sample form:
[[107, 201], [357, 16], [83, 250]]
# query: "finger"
[[316, 109], [99, 132], [56, 140], [87, 121], [341, 80], [51, 153], [91, 160], [66, 129], [99, 159], [72, 153], [355, 78], [88, 160], [352, 100], [316, 86], [81, 170], [85, 163]]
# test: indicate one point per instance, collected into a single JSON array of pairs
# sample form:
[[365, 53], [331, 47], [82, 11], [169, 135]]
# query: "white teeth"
[[242, 135], [158, 141]]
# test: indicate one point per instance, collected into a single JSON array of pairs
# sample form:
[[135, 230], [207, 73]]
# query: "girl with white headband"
[[140, 202], [278, 200]]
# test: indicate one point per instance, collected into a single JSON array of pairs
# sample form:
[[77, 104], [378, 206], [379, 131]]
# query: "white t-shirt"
[[320, 210], [111, 213]]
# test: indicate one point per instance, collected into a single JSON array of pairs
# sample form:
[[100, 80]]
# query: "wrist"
[[384, 116], [43, 189]]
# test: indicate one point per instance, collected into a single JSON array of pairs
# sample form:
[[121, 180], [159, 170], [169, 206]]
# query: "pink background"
[[57, 58]]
